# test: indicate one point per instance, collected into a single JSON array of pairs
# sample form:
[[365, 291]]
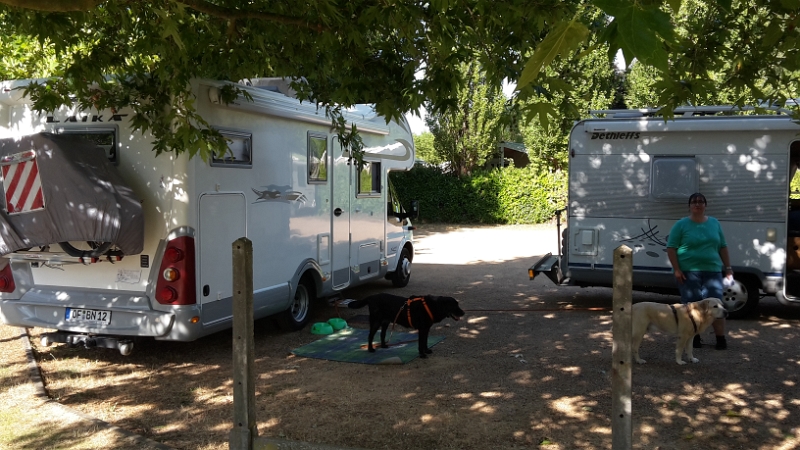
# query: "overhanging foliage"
[[142, 54]]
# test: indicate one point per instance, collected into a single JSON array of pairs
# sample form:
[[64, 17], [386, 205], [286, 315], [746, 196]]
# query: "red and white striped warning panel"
[[21, 182]]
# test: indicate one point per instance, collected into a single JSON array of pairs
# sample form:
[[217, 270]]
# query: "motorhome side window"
[[369, 179], [673, 179], [105, 138], [317, 158], [240, 150]]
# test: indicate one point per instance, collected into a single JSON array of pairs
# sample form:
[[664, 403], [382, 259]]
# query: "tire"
[[299, 312], [402, 273], [125, 348], [97, 249], [741, 299]]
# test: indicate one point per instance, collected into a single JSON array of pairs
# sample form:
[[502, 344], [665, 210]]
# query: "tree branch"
[[53, 5], [233, 14]]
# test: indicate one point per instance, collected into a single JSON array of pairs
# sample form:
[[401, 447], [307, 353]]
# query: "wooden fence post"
[[244, 391], [621, 428]]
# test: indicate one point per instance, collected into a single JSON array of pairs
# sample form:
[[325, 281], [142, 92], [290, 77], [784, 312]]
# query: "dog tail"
[[358, 303]]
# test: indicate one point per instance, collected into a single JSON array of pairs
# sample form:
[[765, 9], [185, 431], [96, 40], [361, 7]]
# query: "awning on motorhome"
[[62, 188]]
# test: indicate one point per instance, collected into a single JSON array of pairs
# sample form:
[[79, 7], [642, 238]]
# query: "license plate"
[[88, 316]]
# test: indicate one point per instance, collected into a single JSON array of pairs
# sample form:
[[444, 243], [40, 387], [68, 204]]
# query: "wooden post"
[[621, 429], [244, 391]]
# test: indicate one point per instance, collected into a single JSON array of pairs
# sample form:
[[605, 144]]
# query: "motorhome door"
[[340, 216], [222, 221]]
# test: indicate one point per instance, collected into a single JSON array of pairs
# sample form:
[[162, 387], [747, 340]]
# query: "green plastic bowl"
[[338, 323], [321, 328]]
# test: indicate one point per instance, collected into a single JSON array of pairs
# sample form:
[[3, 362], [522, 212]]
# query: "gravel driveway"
[[529, 367]]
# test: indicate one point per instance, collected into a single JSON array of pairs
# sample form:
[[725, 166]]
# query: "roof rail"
[[687, 111]]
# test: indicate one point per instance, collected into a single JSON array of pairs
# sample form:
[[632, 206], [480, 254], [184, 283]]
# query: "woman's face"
[[698, 204]]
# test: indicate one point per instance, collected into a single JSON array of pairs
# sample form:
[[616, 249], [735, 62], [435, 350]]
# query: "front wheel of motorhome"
[[403, 271], [298, 314], [741, 299]]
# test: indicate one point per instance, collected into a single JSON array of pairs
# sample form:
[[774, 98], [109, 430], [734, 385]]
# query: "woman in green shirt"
[[698, 253]]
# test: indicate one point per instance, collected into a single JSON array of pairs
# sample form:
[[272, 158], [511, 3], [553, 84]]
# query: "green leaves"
[[361, 51], [564, 38], [639, 30]]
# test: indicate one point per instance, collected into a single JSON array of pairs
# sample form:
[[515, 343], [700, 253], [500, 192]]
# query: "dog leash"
[[675, 313]]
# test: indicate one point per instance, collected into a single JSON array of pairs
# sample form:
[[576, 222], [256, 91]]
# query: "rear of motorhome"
[[104, 242], [630, 177]]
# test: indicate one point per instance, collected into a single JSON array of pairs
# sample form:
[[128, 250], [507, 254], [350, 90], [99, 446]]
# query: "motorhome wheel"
[[402, 274], [741, 299], [45, 341], [298, 315]]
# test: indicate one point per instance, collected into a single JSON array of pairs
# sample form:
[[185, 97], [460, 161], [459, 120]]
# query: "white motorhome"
[[318, 224], [630, 177]]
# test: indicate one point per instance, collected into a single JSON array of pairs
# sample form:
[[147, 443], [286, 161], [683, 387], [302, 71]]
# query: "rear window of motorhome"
[[317, 158], [240, 150], [673, 179], [105, 138], [369, 179]]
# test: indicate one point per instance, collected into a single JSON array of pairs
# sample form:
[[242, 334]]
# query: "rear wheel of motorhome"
[[742, 298], [297, 316], [402, 273]]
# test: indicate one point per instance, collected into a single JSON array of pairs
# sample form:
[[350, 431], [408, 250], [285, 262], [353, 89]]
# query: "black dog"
[[418, 312]]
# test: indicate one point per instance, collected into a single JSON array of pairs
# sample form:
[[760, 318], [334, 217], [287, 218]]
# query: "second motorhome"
[[105, 242], [631, 174]]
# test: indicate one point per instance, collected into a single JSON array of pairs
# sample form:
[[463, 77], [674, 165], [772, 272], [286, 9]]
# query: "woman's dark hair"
[[698, 195]]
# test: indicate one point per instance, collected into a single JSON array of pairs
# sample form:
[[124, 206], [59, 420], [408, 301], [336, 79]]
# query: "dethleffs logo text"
[[623, 135], [87, 118]]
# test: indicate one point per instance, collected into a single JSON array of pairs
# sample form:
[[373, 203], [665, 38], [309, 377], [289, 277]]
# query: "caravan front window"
[[673, 179]]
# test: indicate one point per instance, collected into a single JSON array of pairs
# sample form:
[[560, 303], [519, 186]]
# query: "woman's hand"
[[679, 276]]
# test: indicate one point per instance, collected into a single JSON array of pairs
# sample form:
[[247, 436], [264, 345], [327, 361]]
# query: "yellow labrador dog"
[[684, 321]]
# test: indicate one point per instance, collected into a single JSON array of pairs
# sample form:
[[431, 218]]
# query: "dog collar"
[[675, 313]]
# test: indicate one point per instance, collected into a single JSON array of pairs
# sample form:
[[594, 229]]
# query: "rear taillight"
[[175, 284], [7, 279]]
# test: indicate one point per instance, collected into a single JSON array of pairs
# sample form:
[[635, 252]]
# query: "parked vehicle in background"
[[630, 177], [152, 258]]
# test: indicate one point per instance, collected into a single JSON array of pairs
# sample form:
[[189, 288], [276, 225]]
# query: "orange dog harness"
[[408, 308]]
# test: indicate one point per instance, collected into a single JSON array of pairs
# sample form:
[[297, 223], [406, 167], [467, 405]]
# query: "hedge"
[[498, 196]]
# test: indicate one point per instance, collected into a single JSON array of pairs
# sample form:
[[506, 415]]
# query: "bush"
[[498, 196]]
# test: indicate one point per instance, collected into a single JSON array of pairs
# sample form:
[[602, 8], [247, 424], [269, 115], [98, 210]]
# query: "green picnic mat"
[[350, 345]]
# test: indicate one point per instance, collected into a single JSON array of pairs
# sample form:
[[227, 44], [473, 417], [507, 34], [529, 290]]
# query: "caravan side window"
[[673, 179], [369, 179], [317, 158], [103, 137], [240, 150]]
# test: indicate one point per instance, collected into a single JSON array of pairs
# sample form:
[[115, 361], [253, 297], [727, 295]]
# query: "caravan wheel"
[[403, 271], [741, 299], [297, 316]]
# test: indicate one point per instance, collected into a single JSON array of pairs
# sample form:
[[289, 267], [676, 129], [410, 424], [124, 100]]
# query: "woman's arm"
[[672, 253], [726, 261]]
